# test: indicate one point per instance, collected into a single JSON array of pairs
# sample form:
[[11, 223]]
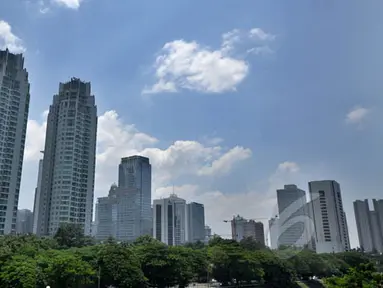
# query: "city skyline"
[[303, 102]]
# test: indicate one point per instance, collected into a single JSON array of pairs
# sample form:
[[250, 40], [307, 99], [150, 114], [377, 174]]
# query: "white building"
[[69, 160], [293, 221], [368, 225], [208, 234], [170, 220], [14, 107], [274, 232], [195, 222], [330, 224], [24, 223], [242, 228], [126, 214]]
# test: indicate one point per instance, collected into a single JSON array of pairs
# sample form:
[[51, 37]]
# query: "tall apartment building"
[[242, 228], [196, 222], [293, 221], [170, 220], [274, 232], [14, 108], [330, 224], [67, 184], [125, 214], [368, 225], [24, 223]]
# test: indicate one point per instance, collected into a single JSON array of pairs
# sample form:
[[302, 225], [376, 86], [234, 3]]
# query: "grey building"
[[67, 185], [368, 223], [242, 228], [196, 222], [24, 223], [170, 220], [208, 234], [36, 205], [329, 219], [293, 221], [14, 108], [125, 214]]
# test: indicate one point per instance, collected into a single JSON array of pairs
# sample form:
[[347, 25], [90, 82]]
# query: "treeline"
[[72, 260]]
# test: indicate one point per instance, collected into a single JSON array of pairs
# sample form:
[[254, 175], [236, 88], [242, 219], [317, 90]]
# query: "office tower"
[[294, 225], [195, 222], [330, 224], [14, 108], [69, 160], [242, 228], [36, 205], [169, 220], [135, 175], [24, 223], [208, 234], [368, 225]]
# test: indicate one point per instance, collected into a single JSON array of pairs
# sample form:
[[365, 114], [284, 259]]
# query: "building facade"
[[170, 220], [196, 222], [208, 234], [368, 225], [126, 213], [293, 217], [242, 228], [67, 185], [135, 175], [329, 219], [24, 223], [14, 108]]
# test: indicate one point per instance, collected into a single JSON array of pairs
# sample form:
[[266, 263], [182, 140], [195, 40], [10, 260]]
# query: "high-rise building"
[[14, 108], [242, 228], [208, 234], [36, 205], [294, 222], [24, 223], [196, 222], [274, 232], [135, 175], [368, 225], [125, 214], [170, 220], [329, 218], [67, 185]]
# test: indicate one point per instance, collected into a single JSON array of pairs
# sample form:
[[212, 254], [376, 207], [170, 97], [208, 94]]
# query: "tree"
[[120, 267], [72, 235], [249, 243]]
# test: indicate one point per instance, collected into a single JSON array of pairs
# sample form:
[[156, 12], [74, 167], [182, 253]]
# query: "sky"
[[229, 100]]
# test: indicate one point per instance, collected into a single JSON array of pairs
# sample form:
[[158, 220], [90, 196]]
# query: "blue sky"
[[249, 96]]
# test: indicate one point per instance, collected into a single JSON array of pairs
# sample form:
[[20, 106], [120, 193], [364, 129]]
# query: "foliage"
[[71, 259]]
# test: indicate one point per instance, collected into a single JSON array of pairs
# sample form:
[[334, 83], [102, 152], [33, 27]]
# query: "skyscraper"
[[329, 218], [169, 220], [294, 225], [36, 205], [126, 214], [368, 225], [195, 222], [135, 175], [68, 170], [14, 108]]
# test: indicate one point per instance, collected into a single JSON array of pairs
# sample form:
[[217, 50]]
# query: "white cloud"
[[223, 164], [117, 139], [72, 4], [184, 65], [10, 40], [357, 115]]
